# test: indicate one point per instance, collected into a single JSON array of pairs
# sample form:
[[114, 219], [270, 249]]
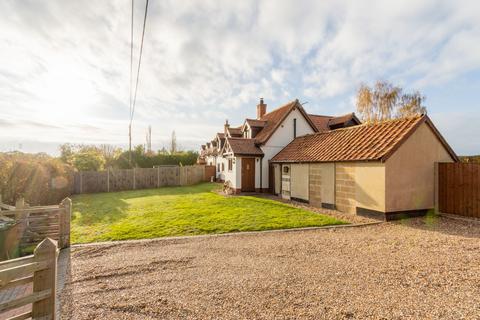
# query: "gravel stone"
[[423, 268]]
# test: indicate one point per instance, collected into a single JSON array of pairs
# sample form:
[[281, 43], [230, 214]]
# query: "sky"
[[65, 65]]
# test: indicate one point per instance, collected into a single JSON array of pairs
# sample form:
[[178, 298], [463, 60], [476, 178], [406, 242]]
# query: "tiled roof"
[[221, 135], [256, 123], [273, 120], [324, 123], [321, 122], [242, 146], [358, 143], [235, 131]]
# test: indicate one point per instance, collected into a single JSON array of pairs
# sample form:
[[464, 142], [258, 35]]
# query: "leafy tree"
[[66, 152], [88, 161], [385, 101]]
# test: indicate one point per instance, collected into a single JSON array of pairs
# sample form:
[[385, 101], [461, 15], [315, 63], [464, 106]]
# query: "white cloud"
[[67, 62]]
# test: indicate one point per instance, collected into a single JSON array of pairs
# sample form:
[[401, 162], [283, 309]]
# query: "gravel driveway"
[[422, 268]]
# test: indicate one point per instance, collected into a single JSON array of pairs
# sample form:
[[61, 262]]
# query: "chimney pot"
[[261, 109], [225, 127]]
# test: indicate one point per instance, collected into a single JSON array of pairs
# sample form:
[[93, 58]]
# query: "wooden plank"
[[45, 279], [476, 190], [33, 210], [31, 298], [469, 191], [450, 188], [16, 262], [26, 315], [16, 272], [17, 282], [441, 190], [6, 206]]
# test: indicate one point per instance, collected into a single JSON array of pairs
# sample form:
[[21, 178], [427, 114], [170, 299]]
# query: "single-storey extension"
[[384, 169]]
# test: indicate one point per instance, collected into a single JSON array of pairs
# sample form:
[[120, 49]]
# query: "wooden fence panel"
[[459, 188], [140, 178], [146, 178], [93, 181], [121, 180]]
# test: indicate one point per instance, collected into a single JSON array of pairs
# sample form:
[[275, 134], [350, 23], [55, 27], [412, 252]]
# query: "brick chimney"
[[261, 109], [225, 127]]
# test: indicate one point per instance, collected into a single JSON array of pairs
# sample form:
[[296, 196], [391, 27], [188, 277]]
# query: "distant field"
[[470, 159], [178, 211]]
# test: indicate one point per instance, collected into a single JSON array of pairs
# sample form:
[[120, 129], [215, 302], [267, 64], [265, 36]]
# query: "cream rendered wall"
[[257, 173], [221, 174], [278, 178], [327, 173], [370, 185], [359, 184], [281, 137], [238, 172], [410, 178], [299, 181], [234, 176]]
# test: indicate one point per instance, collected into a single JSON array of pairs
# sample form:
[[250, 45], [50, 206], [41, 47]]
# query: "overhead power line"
[[134, 99], [139, 61]]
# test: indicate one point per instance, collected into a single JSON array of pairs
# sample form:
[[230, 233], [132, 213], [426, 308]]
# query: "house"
[[242, 155], [384, 169]]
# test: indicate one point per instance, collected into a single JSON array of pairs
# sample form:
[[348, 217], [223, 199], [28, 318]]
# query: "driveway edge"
[[229, 234]]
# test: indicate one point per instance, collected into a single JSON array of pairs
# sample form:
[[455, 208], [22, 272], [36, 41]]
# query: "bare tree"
[[411, 104], [385, 101]]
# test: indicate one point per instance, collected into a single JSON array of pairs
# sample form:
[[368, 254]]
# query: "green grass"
[[178, 211]]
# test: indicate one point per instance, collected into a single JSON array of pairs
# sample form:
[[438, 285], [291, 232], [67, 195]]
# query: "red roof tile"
[[365, 142], [242, 146], [256, 123], [274, 118], [325, 123]]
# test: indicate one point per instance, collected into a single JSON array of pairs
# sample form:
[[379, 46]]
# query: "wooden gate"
[[210, 171], [459, 189]]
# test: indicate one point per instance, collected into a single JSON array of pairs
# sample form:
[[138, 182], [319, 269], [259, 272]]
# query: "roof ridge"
[[278, 108], [371, 124]]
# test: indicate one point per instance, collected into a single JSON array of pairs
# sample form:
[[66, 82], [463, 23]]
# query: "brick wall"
[[345, 187], [315, 184]]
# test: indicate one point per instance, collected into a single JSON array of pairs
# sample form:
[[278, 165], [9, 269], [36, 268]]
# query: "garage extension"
[[382, 169]]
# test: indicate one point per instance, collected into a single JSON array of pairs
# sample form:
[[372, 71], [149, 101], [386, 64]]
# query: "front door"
[[248, 174]]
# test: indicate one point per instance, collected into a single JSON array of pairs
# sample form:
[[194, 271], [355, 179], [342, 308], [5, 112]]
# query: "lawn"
[[179, 211]]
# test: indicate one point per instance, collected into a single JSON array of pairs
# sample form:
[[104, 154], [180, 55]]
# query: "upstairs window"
[[294, 128], [230, 164]]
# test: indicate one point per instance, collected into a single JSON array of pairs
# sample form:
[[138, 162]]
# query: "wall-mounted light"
[[258, 159]]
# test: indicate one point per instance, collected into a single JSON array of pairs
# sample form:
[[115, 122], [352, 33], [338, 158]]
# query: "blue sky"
[[64, 65]]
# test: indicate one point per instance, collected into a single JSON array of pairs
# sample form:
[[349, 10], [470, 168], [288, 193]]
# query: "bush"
[[39, 178], [141, 160]]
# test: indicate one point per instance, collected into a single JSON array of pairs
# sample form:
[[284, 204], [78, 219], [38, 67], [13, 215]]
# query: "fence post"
[[45, 279], [158, 177], [64, 224], [108, 179], [436, 187], [134, 179], [81, 181], [20, 203]]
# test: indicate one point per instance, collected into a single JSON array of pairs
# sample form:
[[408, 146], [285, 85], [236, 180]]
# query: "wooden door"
[[248, 174]]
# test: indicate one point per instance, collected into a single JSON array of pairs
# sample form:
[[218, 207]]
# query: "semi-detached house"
[[242, 153], [384, 169]]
